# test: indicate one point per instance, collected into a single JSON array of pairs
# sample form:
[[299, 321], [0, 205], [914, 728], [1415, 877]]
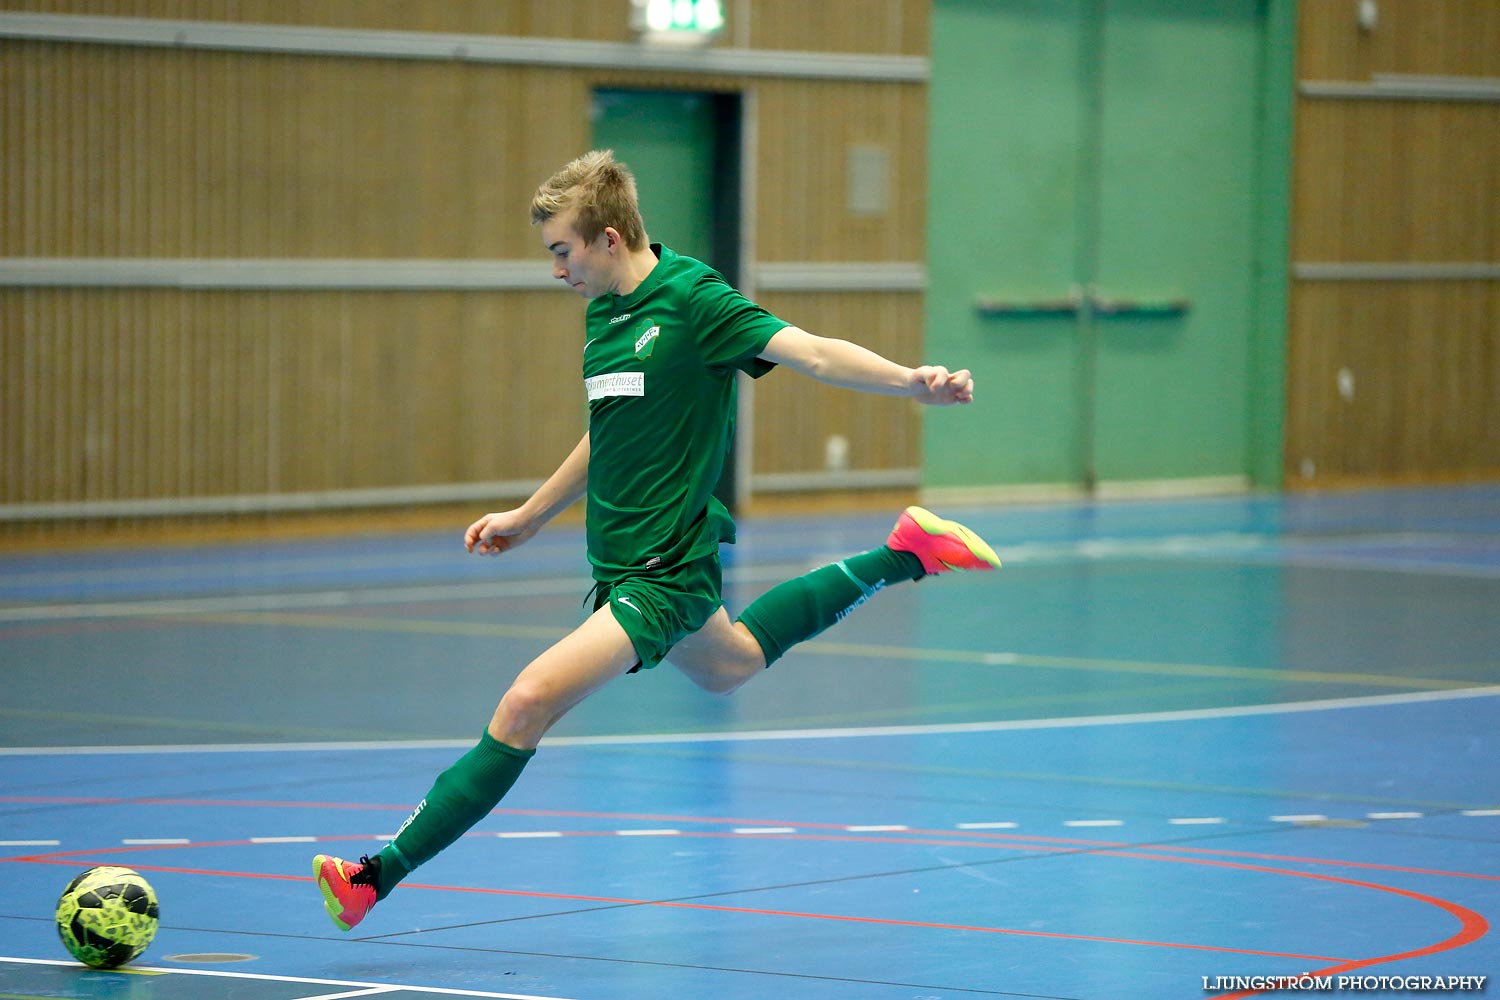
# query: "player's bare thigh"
[[720, 656], [575, 667]]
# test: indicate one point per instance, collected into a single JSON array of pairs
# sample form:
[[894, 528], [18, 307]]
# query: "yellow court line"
[[354, 623], [1133, 666], [1056, 701], [823, 648], [245, 729]]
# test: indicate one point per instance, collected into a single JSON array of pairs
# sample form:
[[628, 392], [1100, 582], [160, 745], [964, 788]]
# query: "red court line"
[[1473, 926], [887, 922], [619, 901], [1322, 861], [405, 808]]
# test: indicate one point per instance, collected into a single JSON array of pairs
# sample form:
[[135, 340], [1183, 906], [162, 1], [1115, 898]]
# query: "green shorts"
[[659, 608]]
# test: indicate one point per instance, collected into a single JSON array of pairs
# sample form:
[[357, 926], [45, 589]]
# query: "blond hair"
[[602, 190]]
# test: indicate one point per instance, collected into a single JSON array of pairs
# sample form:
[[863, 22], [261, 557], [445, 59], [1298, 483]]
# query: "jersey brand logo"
[[626, 601], [647, 342], [616, 384], [618, 319]]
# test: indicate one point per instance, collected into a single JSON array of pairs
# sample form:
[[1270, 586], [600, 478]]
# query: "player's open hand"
[[500, 532], [937, 386]]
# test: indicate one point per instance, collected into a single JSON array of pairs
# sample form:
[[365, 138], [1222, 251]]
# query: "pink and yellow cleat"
[[941, 545], [346, 901]]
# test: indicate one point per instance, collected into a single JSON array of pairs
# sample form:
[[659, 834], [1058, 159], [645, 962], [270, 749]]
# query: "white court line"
[[387, 987], [650, 739], [751, 831], [352, 993], [648, 833], [525, 834], [1411, 567]]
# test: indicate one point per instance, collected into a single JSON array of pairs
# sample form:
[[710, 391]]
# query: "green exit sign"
[[682, 20]]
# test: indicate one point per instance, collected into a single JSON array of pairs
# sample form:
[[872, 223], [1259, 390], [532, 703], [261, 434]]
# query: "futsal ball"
[[107, 916]]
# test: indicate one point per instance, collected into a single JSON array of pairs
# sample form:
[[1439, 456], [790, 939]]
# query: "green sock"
[[460, 797], [799, 609]]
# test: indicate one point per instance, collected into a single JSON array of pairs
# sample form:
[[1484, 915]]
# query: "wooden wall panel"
[[884, 27], [1425, 363], [1411, 36], [209, 154], [1396, 181], [163, 393], [594, 20], [888, 27], [156, 153], [795, 417], [131, 151], [1386, 181], [804, 134]]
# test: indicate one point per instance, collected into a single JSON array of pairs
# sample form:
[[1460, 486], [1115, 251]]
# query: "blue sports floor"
[[1169, 742]]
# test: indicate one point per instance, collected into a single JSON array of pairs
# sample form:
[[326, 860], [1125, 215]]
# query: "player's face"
[[586, 267]]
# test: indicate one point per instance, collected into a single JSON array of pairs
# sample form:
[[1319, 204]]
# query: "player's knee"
[[728, 676], [524, 708], [721, 681]]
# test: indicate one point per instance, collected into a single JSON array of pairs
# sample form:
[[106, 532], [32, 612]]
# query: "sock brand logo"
[[869, 592], [414, 814]]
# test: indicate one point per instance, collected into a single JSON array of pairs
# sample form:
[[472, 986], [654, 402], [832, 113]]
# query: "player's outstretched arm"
[[838, 362], [503, 530]]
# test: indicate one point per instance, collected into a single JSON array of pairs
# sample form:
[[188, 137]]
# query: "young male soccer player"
[[665, 336]]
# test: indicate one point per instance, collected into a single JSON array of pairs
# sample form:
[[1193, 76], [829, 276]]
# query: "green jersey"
[[659, 367]]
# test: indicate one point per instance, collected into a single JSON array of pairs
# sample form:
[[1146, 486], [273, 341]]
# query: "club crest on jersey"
[[646, 342]]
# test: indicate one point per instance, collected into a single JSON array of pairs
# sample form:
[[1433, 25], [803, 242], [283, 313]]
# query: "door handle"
[[1106, 306], [1071, 304], [1077, 303]]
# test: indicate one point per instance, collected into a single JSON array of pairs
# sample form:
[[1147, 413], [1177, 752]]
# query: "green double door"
[[683, 147], [1094, 208]]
